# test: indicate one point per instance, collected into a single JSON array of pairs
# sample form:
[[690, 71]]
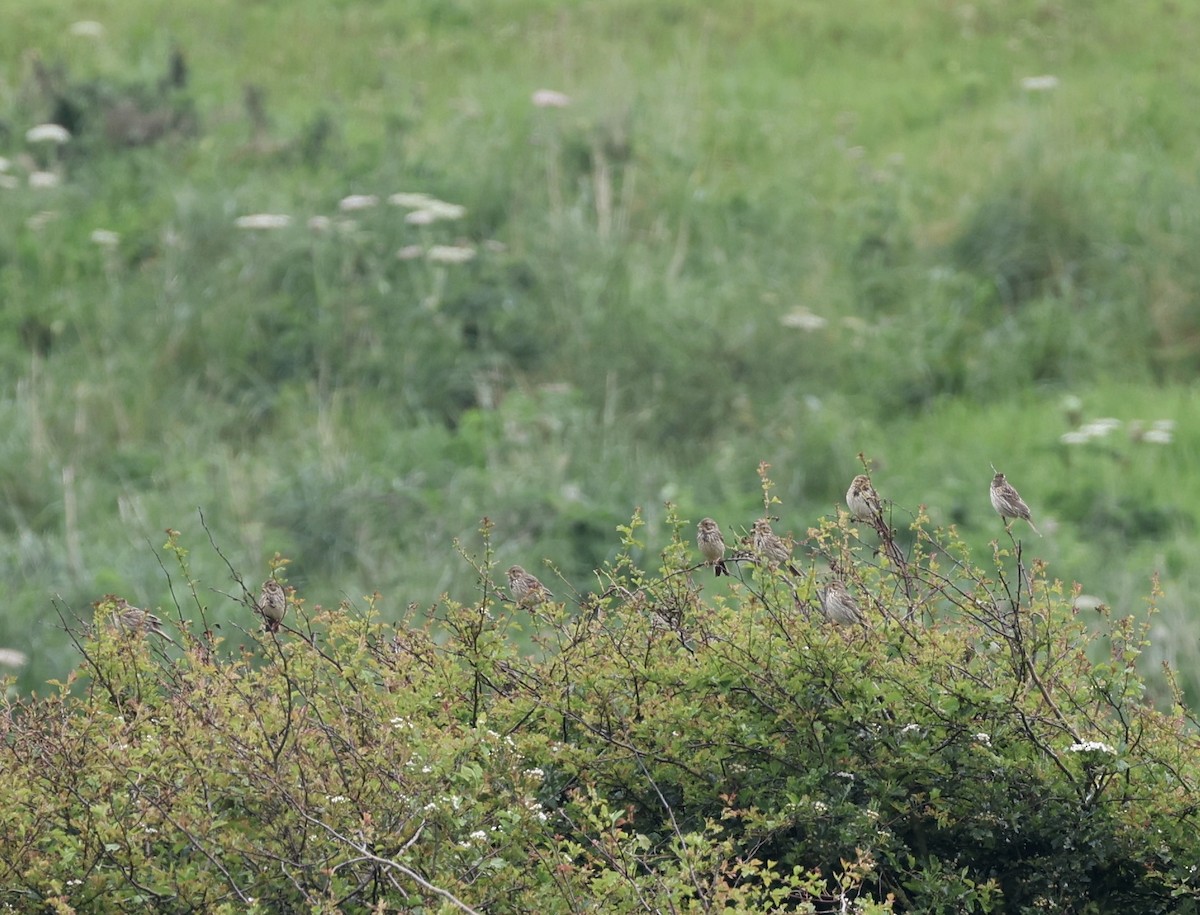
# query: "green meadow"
[[941, 235]]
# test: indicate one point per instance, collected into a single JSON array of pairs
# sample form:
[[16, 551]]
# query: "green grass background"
[[975, 253]]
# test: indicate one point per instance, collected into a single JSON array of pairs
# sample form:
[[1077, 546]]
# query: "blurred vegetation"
[[770, 231]]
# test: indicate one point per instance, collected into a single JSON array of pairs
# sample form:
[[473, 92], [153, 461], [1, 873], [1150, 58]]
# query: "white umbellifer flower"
[[87, 28], [550, 98], [48, 133], [1098, 428], [420, 218], [910, 727], [43, 180], [820, 807], [803, 319], [845, 775], [1158, 437], [449, 254], [10, 657], [336, 799], [1076, 437], [434, 211], [1039, 83], [985, 739], [535, 773], [1091, 746], [105, 238], [263, 221], [440, 209], [479, 835], [320, 223], [410, 252], [358, 202]]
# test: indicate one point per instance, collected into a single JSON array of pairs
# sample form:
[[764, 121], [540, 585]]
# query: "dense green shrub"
[[645, 747]]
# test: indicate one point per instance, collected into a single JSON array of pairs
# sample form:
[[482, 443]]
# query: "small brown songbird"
[[839, 605], [127, 618], [864, 502], [770, 547], [272, 604], [130, 620], [1008, 502], [525, 589], [712, 545]]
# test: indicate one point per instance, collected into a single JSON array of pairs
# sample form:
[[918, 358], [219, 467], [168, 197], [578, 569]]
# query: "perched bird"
[[839, 605], [525, 589], [272, 604], [864, 502], [770, 547], [865, 505], [130, 620], [712, 545], [1008, 502]]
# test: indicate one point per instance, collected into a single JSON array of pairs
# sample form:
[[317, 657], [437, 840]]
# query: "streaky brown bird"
[[1008, 502], [712, 545], [272, 604], [525, 589]]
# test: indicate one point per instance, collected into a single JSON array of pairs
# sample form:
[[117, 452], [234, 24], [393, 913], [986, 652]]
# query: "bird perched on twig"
[[712, 545], [866, 505], [130, 620], [272, 604], [1008, 502], [525, 589], [864, 502], [839, 605], [770, 547]]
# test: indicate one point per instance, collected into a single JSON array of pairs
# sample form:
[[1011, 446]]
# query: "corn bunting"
[[129, 620], [839, 606], [770, 547], [864, 502], [1008, 502], [525, 589], [272, 604], [712, 545]]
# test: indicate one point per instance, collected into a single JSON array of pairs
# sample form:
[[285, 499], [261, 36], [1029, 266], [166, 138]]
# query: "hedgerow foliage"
[[978, 748]]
